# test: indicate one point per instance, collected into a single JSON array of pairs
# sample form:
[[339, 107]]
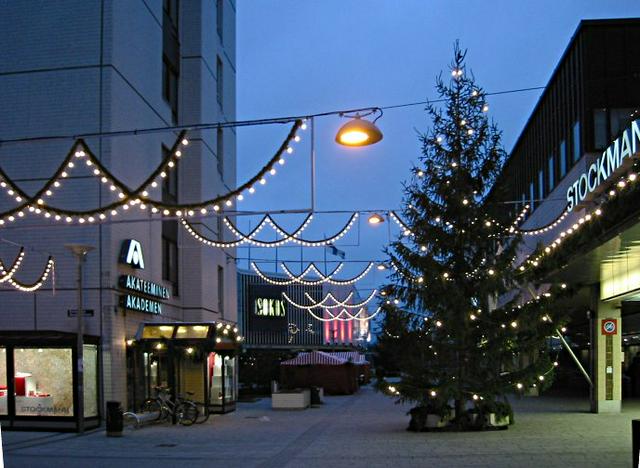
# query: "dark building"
[[593, 95], [576, 164], [275, 330]]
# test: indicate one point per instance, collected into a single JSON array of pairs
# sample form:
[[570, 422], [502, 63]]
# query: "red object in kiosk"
[[21, 386]]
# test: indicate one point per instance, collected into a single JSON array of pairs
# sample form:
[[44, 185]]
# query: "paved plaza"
[[364, 430]]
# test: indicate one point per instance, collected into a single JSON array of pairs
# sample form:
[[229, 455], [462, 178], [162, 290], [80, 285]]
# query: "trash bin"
[[315, 396], [114, 419]]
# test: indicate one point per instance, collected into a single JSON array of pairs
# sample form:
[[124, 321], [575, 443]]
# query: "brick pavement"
[[365, 430]]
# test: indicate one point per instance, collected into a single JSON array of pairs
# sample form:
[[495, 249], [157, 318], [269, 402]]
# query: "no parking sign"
[[609, 326]]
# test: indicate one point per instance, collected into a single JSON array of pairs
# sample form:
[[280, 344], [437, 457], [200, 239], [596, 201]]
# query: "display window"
[[90, 367], [4, 407], [229, 379], [43, 381]]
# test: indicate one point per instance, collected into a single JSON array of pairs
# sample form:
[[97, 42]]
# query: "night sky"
[[301, 57]]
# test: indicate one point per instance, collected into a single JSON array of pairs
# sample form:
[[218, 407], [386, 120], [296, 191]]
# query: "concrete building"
[[588, 113], [74, 67]]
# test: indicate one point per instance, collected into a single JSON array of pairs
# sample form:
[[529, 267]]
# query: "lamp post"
[[80, 251]]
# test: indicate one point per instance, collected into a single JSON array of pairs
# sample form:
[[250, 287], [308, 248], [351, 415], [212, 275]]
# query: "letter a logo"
[[132, 253]]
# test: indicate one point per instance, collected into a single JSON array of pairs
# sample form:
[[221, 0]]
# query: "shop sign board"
[[269, 307], [266, 310], [605, 166], [131, 254], [609, 326], [142, 295]]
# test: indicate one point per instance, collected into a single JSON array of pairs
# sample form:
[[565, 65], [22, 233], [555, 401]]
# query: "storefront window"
[[160, 331], [43, 382], [90, 366], [192, 331], [214, 372], [3, 382], [229, 379]]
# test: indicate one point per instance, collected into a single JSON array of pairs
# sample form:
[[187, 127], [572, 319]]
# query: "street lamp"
[[375, 219], [80, 251], [360, 132]]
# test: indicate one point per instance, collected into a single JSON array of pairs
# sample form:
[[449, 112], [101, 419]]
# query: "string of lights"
[[350, 317], [7, 275], [297, 279], [127, 197], [289, 237]]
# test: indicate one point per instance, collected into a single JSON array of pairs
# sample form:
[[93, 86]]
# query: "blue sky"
[[300, 57]]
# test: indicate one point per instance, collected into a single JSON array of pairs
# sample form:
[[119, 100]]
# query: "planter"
[[291, 400], [436, 421], [494, 421]]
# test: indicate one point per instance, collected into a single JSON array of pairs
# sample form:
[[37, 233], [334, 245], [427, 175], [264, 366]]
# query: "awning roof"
[[325, 359], [212, 331]]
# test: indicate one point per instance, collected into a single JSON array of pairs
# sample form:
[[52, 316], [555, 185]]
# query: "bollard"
[[114, 419], [635, 441]]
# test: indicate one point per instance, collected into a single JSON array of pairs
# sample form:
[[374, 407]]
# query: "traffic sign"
[[609, 326]]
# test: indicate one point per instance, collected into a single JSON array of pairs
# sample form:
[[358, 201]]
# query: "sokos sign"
[[131, 254], [603, 167]]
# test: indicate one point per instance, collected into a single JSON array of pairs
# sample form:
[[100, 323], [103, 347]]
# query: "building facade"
[[274, 329], [89, 67], [576, 148]]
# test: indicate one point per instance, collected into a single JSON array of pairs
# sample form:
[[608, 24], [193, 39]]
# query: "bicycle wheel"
[[152, 405], [203, 413], [186, 413]]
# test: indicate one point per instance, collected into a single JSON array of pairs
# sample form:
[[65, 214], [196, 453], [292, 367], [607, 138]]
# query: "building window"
[[170, 183], [219, 80], [563, 159], [541, 192], [220, 230], [600, 137], [577, 150], [552, 167], [170, 228], [221, 291], [619, 119], [219, 19], [170, 255], [43, 382], [220, 152], [532, 196], [170, 55]]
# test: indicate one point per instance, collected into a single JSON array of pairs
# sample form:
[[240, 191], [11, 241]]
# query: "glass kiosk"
[[199, 358]]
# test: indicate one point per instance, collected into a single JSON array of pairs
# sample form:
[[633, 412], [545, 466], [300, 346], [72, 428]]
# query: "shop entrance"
[[194, 360]]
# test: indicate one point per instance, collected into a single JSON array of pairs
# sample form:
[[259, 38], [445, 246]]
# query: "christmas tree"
[[464, 325]]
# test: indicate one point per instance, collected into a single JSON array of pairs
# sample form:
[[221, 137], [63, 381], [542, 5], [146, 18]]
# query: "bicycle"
[[185, 411], [203, 412]]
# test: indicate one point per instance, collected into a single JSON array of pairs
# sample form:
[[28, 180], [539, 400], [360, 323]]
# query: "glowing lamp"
[[375, 218], [358, 132]]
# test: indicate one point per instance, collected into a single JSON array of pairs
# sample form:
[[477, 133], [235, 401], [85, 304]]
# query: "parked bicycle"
[[184, 410]]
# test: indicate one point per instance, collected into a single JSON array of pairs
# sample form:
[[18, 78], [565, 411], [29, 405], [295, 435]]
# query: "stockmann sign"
[[602, 168]]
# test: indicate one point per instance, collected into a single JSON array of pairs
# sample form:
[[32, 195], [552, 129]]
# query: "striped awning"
[[352, 356], [314, 358]]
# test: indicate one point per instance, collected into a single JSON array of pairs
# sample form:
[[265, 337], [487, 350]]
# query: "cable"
[[239, 123]]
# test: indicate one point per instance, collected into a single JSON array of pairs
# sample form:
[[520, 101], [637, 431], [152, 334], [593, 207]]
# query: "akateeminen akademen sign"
[[625, 146], [131, 255]]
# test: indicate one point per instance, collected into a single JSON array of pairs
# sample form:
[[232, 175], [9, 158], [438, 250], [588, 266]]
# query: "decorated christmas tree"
[[465, 326]]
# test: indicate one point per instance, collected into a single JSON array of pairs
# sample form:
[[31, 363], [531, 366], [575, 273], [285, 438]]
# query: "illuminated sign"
[[611, 159], [140, 304], [269, 307], [131, 254], [137, 288], [135, 284]]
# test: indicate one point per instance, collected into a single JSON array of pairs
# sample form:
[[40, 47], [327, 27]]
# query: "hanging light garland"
[[542, 229], [138, 197], [7, 276], [337, 304], [296, 279], [350, 317], [328, 278], [289, 237]]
